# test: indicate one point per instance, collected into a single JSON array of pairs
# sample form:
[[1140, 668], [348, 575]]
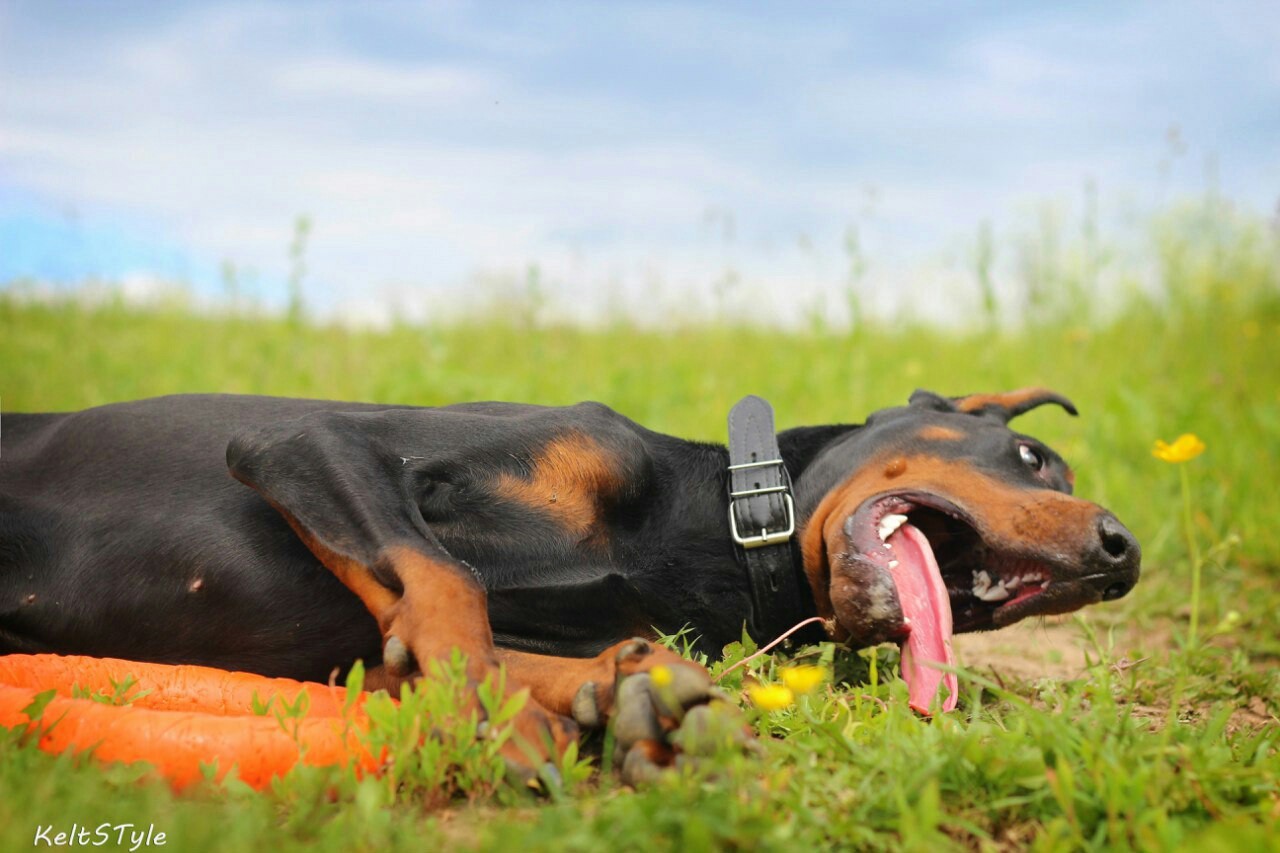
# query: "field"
[[1150, 722]]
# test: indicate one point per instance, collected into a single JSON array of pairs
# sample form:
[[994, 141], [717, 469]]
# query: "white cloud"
[[488, 147], [421, 86]]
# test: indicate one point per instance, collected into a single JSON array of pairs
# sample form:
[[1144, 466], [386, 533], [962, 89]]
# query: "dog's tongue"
[[925, 602]]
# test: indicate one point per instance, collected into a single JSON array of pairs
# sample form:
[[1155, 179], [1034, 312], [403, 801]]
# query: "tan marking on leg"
[[354, 575], [442, 609], [554, 681]]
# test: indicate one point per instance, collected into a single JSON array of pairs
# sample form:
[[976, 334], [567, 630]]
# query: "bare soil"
[[1050, 648]]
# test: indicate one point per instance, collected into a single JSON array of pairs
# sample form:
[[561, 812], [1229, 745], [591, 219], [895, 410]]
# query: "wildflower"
[[771, 697], [660, 676], [1184, 448], [803, 679]]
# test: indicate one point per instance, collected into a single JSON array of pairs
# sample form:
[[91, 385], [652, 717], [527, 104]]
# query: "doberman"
[[532, 537]]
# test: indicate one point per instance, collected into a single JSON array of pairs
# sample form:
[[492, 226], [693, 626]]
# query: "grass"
[[1161, 741]]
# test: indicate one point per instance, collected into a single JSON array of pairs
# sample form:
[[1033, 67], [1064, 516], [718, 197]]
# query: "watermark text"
[[123, 835]]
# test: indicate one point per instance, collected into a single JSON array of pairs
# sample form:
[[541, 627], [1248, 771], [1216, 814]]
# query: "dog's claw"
[[550, 774], [708, 729], [635, 719], [636, 647], [521, 775], [397, 658], [586, 711], [688, 687], [663, 711], [639, 767], [536, 779], [693, 735]]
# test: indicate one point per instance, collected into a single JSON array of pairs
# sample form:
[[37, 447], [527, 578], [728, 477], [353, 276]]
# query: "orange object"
[[183, 716]]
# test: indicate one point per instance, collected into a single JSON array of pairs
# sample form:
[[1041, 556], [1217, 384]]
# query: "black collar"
[[762, 522]]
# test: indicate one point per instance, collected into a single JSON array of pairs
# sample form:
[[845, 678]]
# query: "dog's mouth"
[[915, 568], [988, 586]]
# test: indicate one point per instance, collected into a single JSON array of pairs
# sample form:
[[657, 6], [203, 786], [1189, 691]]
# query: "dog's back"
[[133, 501]]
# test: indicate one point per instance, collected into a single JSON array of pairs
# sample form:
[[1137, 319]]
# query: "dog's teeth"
[[981, 583], [893, 564], [1033, 578], [889, 524], [1013, 583], [995, 593]]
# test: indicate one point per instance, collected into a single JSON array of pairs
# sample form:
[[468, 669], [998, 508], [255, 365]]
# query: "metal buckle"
[[765, 538]]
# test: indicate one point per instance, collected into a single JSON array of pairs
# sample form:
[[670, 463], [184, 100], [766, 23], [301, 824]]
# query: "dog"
[[553, 542]]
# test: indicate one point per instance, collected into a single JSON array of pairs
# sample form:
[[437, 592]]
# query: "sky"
[[645, 157]]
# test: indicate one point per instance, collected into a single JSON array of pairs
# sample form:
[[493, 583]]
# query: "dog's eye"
[[1031, 457]]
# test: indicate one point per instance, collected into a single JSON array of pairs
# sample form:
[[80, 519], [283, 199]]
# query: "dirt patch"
[[1055, 647], [1049, 648]]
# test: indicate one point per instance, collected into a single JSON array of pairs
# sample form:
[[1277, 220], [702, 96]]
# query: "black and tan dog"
[[536, 538]]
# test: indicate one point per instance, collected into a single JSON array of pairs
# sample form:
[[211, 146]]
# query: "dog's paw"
[[596, 701], [537, 738], [664, 710]]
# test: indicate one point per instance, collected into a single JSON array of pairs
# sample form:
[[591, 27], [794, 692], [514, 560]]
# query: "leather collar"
[[762, 522]]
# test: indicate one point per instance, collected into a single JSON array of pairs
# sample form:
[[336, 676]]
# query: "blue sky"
[[646, 152]]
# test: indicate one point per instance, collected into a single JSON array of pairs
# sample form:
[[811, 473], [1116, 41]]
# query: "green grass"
[[1157, 744]]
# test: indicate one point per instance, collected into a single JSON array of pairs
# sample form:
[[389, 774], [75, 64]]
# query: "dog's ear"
[[923, 399], [1007, 406]]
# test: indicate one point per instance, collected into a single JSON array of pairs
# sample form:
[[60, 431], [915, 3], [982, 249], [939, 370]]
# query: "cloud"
[[423, 86], [435, 146]]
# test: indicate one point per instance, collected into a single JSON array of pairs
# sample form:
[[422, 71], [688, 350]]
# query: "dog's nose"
[[1118, 557], [1116, 590], [1117, 542]]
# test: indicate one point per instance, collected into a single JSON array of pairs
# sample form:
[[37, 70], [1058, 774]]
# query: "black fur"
[[122, 533]]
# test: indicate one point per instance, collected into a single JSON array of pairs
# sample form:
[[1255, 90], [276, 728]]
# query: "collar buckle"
[[766, 537]]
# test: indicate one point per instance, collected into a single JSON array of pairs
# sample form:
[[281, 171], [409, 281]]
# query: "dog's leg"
[[331, 485], [587, 686], [427, 607], [661, 705]]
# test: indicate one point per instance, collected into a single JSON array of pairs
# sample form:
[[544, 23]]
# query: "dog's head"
[[936, 516]]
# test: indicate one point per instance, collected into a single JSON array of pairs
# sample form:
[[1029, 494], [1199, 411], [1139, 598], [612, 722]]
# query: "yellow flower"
[[660, 676], [770, 697], [1184, 448], [803, 679]]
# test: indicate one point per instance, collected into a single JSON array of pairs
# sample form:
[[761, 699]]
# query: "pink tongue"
[[924, 601]]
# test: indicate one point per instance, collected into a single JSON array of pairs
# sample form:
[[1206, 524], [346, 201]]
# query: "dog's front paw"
[[664, 710], [537, 738]]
